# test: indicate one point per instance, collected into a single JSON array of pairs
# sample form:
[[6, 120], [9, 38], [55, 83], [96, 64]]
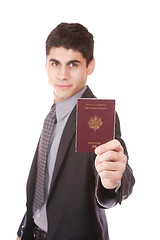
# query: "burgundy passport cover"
[[95, 123]]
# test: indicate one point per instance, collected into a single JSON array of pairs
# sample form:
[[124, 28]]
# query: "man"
[[78, 186]]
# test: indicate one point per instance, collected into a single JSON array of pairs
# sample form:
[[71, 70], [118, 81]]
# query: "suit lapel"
[[66, 138]]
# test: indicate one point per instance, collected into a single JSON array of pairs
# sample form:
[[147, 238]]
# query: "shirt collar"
[[65, 107]]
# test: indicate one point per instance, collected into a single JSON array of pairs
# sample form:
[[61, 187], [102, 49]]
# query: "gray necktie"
[[49, 122]]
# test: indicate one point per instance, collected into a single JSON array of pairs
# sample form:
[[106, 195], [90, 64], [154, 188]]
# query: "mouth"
[[63, 86]]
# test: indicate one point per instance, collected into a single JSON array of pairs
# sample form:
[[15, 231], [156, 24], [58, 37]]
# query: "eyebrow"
[[53, 60], [71, 61]]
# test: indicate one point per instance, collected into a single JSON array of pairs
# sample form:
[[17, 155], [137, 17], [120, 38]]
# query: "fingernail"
[[97, 151]]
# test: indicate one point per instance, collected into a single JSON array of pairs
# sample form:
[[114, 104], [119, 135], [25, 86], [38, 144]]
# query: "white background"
[[127, 52]]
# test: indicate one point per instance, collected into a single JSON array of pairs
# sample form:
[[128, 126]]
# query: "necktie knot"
[[52, 113]]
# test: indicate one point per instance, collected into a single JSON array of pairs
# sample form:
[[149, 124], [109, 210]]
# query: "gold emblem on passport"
[[95, 123]]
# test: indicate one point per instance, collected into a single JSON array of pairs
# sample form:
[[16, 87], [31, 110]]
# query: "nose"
[[63, 73]]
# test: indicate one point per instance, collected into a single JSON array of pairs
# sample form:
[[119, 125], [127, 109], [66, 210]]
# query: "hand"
[[18, 238], [110, 163]]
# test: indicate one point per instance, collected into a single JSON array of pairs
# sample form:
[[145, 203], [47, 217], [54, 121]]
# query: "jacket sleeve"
[[21, 227], [107, 198]]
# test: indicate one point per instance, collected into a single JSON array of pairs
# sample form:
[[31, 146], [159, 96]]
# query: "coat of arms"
[[95, 123]]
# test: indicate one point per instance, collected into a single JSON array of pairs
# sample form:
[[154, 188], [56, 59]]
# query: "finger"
[[107, 166], [113, 176], [111, 166], [110, 156], [111, 145]]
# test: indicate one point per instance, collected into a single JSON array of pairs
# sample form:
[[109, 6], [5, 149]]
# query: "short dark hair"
[[72, 36]]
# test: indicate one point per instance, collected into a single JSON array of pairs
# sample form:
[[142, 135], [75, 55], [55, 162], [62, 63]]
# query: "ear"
[[46, 64], [91, 66]]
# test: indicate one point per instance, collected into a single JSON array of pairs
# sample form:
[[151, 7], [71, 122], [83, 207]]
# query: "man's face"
[[67, 72]]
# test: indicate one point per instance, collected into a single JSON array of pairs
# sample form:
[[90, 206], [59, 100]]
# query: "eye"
[[55, 63], [73, 65]]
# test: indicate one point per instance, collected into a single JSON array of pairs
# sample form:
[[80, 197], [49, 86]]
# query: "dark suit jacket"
[[77, 201]]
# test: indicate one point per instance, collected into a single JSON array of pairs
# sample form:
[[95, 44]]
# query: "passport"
[[95, 123]]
